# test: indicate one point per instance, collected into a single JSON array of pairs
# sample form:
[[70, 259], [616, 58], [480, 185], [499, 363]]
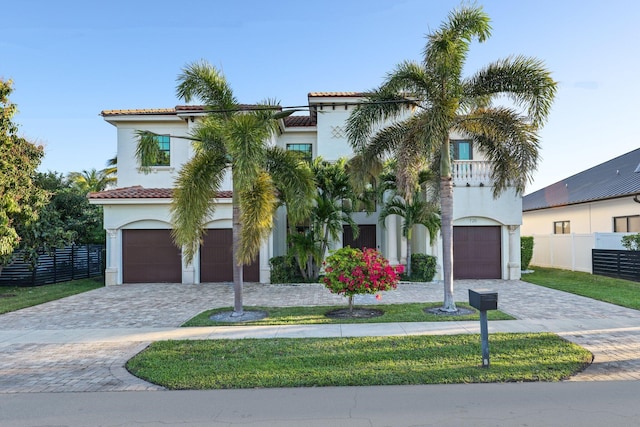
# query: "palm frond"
[[379, 106], [147, 150], [447, 48], [245, 136], [202, 81], [257, 206], [294, 181], [508, 141], [524, 80], [193, 202]]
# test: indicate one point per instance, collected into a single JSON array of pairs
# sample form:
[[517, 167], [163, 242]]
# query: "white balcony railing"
[[471, 173]]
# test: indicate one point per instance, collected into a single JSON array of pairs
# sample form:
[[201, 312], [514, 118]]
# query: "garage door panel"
[[216, 259], [149, 256], [477, 252]]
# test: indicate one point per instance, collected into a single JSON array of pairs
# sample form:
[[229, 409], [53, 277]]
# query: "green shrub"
[[423, 267], [526, 251], [284, 270], [631, 242]]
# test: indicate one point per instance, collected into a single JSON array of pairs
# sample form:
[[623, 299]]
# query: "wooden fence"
[[69, 263], [615, 263]]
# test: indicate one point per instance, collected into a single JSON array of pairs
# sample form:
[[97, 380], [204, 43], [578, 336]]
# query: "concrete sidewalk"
[[81, 343]]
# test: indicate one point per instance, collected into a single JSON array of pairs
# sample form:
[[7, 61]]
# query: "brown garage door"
[[476, 253], [366, 237], [149, 256], [216, 259]]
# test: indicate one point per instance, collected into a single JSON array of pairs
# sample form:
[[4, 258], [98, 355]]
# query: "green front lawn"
[[314, 315], [616, 291], [315, 362], [15, 298]]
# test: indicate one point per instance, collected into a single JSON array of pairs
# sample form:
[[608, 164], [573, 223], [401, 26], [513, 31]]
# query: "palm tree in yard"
[[233, 138], [442, 101], [419, 208]]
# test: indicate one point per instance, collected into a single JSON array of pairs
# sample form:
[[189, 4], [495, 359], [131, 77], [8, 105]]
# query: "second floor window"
[[461, 150], [305, 150], [626, 224], [164, 145], [561, 227]]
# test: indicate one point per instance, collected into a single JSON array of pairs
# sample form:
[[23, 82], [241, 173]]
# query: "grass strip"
[[413, 312], [14, 298], [366, 361], [625, 293]]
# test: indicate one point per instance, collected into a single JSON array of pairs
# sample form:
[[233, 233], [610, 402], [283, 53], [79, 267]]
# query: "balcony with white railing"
[[471, 173]]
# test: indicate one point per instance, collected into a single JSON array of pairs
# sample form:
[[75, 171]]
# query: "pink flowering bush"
[[351, 271]]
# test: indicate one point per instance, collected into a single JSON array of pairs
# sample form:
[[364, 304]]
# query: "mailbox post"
[[484, 300]]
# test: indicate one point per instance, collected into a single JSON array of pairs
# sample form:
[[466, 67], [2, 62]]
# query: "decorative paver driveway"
[[81, 343]]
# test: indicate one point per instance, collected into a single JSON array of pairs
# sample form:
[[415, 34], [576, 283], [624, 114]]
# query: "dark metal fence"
[[614, 263], [69, 263]]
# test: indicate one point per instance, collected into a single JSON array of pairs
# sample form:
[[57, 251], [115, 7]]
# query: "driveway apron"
[[82, 342]]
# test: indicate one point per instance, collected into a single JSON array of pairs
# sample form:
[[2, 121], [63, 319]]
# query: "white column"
[[189, 270], [391, 228], [111, 271], [514, 252], [266, 253]]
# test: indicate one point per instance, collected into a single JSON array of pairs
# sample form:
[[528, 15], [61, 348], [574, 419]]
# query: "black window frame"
[[626, 219], [565, 227]]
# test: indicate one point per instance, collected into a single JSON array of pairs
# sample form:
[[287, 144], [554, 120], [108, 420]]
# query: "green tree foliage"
[[426, 101], [419, 208], [334, 204], [20, 197], [92, 180]]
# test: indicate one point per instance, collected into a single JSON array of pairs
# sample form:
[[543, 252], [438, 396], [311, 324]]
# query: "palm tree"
[[421, 208], [442, 101], [235, 138], [333, 207], [92, 180]]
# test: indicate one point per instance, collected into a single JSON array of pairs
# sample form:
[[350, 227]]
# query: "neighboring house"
[[137, 214], [583, 211]]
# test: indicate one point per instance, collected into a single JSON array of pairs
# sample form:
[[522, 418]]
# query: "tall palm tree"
[[235, 138], [442, 100]]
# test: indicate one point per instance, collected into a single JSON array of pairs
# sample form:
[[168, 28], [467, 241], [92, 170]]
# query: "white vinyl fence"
[[571, 251]]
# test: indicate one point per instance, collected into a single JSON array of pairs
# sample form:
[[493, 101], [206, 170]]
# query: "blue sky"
[[70, 60]]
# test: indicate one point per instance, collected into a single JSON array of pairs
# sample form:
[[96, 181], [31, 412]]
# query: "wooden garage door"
[[477, 253], [216, 259], [149, 256], [366, 238]]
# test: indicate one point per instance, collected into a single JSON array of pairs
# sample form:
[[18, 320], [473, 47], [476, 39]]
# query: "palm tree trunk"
[[237, 266], [446, 201], [446, 206]]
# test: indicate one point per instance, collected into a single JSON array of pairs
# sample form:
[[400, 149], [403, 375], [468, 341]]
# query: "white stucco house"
[[589, 210], [137, 216]]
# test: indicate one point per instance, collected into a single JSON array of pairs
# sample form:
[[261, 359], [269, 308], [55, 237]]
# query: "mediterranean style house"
[[590, 210], [137, 214]]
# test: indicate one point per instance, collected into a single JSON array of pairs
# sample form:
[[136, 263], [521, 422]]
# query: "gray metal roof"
[[616, 178]]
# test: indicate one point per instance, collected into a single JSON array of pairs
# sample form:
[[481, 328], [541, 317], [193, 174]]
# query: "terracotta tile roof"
[[299, 121], [160, 111], [335, 94], [138, 111], [139, 192]]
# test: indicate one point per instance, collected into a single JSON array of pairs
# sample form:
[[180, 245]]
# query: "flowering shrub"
[[351, 271]]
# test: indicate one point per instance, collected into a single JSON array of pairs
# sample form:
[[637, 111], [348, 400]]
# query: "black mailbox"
[[483, 300]]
